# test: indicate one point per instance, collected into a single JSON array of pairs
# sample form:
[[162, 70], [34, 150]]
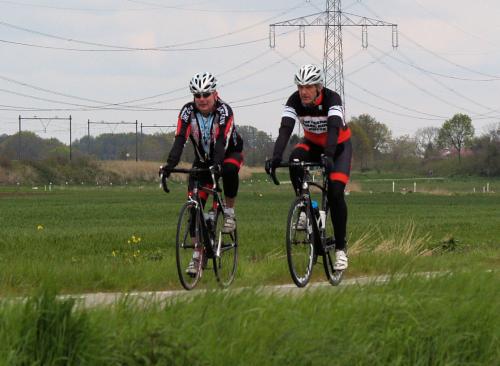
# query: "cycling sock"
[[229, 211]]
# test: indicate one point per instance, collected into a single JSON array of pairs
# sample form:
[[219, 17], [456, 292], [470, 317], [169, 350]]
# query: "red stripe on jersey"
[[316, 139], [341, 177], [232, 161], [320, 139], [229, 124], [344, 135], [303, 146]]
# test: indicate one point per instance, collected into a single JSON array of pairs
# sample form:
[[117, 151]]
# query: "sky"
[[122, 61]]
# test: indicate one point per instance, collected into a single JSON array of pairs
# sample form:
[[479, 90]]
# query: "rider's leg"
[[194, 264], [300, 152], [338, 209], [230, 180], [338, 176]]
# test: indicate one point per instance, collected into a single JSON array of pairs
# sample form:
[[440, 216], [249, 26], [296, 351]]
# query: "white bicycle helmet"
[[309, 75], [203, 83]]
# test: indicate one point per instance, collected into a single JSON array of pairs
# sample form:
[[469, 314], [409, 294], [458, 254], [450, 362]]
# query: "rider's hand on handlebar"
[[165, 171], [327, 163], [216, 169], [271, 165]]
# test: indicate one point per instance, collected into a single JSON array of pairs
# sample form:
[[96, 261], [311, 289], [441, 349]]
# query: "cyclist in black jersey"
[[320, 112], [209, 123]]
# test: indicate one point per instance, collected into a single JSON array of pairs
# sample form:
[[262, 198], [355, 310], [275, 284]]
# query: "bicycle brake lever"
[[163, 183]]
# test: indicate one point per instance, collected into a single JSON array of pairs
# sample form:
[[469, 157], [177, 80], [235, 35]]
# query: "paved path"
[[109, 298]]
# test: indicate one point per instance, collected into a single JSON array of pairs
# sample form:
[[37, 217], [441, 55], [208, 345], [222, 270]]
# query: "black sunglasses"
[[204, 95]]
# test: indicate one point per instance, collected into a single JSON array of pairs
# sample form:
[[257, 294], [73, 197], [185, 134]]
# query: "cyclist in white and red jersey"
[[209, 123], [320, 112]]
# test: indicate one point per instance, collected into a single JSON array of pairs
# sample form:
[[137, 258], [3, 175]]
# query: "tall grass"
[[444, 320]]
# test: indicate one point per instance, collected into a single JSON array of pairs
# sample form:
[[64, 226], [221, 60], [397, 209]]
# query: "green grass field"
[[89, 239], [122, 238]]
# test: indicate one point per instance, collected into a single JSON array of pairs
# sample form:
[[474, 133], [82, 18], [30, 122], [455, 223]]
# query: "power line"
[[161, 6], [112, 47], [454, 25], [425, 91], [434, 53], [377, 95]]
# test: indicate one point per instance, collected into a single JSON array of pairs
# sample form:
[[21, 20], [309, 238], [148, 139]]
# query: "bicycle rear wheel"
[[333, 276], [299, 242], [189, 239], [225, 246]]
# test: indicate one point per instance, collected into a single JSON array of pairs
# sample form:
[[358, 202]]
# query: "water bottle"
[[315, 207]]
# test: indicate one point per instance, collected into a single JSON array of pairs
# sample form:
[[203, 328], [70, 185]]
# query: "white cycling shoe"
[[194, 264], [341, 262], [229, 224]]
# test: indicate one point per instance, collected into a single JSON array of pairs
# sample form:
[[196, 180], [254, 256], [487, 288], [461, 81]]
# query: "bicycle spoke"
[[299, 243], [226, 253], [188, 242]]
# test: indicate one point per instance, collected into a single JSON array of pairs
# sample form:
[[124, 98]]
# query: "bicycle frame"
[[208, 239], [315, 241], [321, 243], [195, 198]]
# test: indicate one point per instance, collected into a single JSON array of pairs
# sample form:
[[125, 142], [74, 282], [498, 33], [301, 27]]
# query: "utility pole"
[[333, 19], [89, 122], [151, 126], [45, 125]]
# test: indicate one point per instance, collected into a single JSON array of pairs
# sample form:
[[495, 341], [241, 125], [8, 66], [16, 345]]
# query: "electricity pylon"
[[333, 19]]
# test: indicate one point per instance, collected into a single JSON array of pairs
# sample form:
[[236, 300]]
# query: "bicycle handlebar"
[[164, 178], [286, 164]]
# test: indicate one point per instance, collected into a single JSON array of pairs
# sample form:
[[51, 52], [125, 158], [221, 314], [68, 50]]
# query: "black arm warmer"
[[286, 129], [220, 149], [175, 153], [333, 134]]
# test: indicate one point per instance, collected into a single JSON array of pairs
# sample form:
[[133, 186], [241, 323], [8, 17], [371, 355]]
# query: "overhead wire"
[[434, 53], [183, 8], [435, 15], [426, 91], [165, 48]]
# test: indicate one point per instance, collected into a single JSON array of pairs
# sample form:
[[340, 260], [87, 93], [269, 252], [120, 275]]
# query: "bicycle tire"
[[333, 276], [184, 248], [299, 243], [225, 253]]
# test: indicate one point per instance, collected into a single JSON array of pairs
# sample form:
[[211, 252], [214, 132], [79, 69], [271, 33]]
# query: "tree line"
[[453, 148]]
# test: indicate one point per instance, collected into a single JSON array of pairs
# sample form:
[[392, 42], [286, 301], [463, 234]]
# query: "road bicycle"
[[202, 231], [309, 232]]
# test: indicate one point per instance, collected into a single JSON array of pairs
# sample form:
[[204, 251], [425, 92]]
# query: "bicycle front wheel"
[[299, 242], [225, 246], [189, 241]]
